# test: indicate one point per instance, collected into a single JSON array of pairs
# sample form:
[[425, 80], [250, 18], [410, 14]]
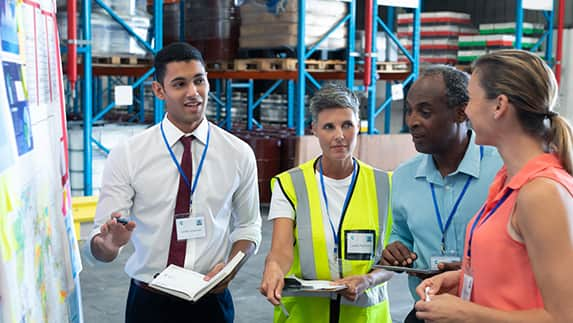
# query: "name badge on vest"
[[190, 228], [359, 244]]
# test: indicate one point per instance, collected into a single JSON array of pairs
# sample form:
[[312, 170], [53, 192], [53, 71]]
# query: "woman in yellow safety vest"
[[331, 219]]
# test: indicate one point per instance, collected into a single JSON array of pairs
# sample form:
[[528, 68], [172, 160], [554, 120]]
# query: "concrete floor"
[[104, 289]]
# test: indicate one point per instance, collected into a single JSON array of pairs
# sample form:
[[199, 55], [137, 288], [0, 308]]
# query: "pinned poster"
[[7, 139], [18, 106], [9, 27]]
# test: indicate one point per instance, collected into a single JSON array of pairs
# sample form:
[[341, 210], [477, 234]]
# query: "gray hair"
[[455, 81], [333, 96]]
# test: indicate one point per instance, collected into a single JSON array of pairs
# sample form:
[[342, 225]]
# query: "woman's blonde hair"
[[531, 88]]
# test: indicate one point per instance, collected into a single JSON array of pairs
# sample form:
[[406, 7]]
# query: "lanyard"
[[346, 200], [499, 203], [199, 168], [454, 209]]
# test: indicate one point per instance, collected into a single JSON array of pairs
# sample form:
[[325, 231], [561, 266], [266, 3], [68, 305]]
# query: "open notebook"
[[188, 284]]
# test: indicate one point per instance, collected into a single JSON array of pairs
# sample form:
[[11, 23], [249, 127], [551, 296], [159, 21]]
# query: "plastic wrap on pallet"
[[261, 29], [108, 36]]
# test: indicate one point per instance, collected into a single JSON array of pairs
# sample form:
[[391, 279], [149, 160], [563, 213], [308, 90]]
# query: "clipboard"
[[399, 269]]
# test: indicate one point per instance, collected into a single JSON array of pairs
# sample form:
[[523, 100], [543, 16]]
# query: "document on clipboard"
[[423, 271], [293, 283]]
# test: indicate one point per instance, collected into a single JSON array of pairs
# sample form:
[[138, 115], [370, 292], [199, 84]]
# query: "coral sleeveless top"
[[500, 266]]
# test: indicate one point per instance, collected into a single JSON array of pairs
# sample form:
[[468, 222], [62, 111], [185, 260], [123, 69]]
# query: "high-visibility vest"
[[368, 209]]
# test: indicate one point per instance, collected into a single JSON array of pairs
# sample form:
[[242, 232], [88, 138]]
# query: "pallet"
[[122, 60], [266, 64], [220, 66], [392, 67]]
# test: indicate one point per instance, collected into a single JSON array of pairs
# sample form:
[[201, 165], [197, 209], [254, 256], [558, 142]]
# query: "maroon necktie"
[[177, 247]]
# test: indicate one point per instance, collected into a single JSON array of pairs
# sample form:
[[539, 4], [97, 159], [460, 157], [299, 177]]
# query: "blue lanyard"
[[199, 168], [499, 203], [346, 200], [454, 209]]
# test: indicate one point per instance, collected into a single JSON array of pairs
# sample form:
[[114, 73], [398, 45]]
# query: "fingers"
[[421, 289], [272, 286], [448, 266], [396, 254], [214, 271]]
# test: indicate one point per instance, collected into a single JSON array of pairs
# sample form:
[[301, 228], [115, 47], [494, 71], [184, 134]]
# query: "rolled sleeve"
[[246, 209], [116, 194]]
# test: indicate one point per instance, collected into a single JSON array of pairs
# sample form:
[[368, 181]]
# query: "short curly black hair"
[[455, 81]]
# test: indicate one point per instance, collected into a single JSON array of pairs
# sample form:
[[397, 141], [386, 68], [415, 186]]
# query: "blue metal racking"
[[547, 36], [297, 86], [88, 84]]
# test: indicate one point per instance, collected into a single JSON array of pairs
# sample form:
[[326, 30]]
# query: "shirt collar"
[[470, 164], [531, 168], [172, 133], [526, 173]]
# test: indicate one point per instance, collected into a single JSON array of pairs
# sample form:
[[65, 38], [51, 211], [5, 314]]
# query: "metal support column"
[[390, 21], [373, 70], [87, 98], [158, 42], [351, 36], [518, 23], [301, 80], [290, 103]]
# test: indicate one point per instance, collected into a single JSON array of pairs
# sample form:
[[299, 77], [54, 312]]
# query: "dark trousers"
[[411, 318], [144, 305]]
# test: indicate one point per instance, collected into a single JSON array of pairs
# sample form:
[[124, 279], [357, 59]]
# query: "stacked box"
[[439, 35], [262, 29], [494, 37]]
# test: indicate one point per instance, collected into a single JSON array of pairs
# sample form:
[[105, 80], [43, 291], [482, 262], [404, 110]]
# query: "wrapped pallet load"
[[261, 28]]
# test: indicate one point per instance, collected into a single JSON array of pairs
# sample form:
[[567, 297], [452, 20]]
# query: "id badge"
[[190, 228], [467, 287], [360, 244], [435, 260]]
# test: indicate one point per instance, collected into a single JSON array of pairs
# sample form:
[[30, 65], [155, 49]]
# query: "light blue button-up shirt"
[[415, 220]]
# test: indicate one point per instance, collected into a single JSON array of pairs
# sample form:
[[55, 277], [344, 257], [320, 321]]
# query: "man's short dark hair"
[[174, 52], [455, 81]]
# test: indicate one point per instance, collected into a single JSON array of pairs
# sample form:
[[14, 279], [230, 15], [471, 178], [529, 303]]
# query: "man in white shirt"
[[189, 193]]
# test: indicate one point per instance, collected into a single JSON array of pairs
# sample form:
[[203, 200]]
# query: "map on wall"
[[39, 257]]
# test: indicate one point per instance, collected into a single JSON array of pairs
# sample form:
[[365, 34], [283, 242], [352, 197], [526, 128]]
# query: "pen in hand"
[[427, 293], [283, 309]]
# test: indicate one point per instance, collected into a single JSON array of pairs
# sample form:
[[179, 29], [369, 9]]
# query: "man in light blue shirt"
[[435, 194]]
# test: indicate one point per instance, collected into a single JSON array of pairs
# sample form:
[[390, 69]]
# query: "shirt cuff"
[[250, 234], [88, 257]]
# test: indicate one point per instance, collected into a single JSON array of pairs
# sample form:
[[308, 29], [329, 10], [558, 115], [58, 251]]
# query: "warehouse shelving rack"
[[547, 8], [88, 85], [297, 80]]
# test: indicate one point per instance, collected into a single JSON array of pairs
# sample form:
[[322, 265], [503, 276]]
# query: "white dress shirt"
[[141, 177]]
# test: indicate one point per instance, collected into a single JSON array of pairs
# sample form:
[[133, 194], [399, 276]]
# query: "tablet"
[[425, 271]]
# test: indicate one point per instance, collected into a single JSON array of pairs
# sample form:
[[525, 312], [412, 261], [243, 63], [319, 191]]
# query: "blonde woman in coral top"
[[518, 253]]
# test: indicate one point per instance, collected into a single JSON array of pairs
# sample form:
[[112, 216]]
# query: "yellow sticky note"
[[7, 241]]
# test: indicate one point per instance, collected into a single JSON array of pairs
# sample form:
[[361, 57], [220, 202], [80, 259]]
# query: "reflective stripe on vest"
[[306, 254]]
